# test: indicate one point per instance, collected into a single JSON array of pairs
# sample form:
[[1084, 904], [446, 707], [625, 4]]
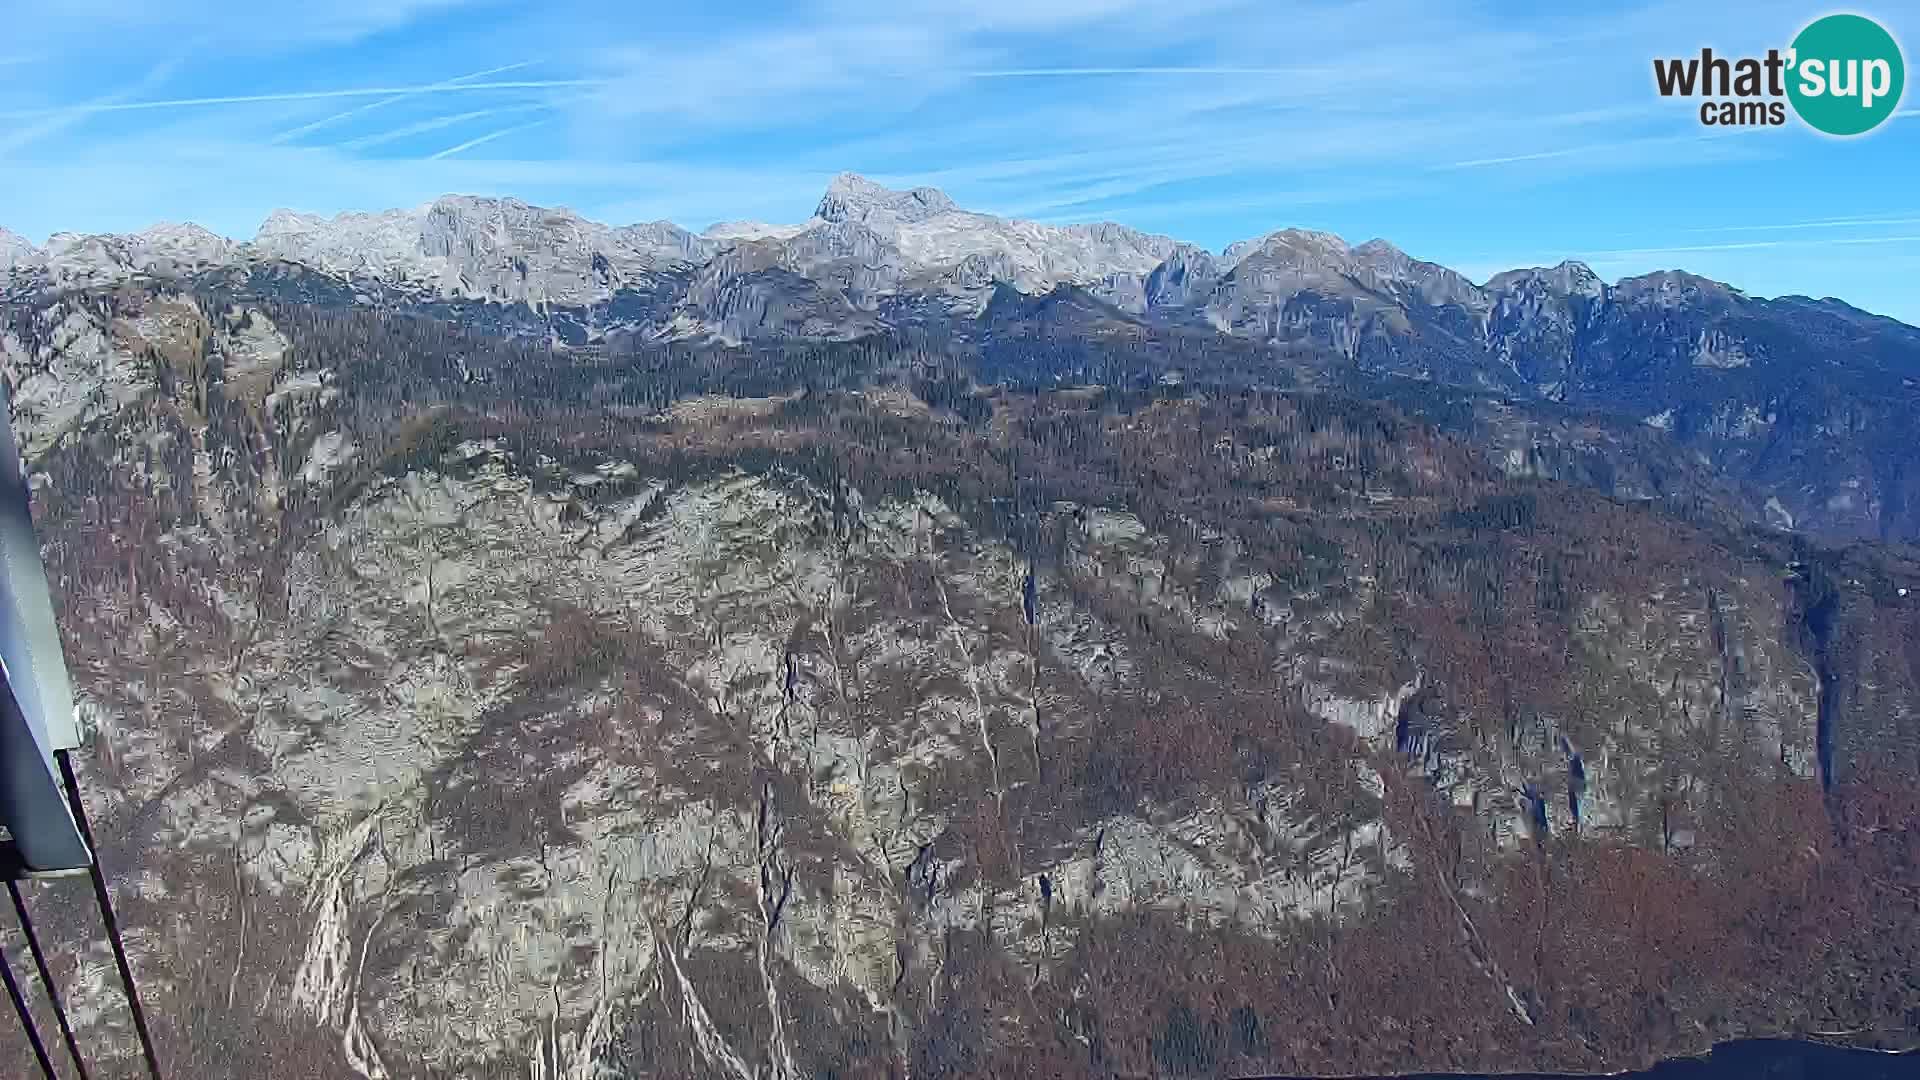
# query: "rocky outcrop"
[[490, 249], [78, 260]]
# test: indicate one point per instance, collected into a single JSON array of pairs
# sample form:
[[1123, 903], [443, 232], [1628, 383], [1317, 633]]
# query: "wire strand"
[[46, 979], [26, 1017], [106, 913]]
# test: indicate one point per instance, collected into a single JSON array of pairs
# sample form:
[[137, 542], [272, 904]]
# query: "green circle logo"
[[1846, 74]]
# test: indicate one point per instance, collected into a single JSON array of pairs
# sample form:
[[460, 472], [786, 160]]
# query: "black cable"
[[46, 979], [26, 1017], [106, 913]]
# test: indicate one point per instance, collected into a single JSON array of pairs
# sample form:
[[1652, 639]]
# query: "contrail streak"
[[301, 95], [1752, 245], [1543, 155], [327, 121], [433, 124], [1825, 223], [482, 140], [1071, 72]]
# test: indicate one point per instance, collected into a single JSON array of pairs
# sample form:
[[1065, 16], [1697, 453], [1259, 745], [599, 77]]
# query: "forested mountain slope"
[[1046, 692]]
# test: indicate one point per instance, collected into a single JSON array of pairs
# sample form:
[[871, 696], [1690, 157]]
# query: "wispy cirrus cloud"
[[260, 24], [774, 77], [50, 123]]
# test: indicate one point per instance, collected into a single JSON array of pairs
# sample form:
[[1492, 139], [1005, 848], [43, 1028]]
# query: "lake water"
[[1775, 1059], [1753, 1059]]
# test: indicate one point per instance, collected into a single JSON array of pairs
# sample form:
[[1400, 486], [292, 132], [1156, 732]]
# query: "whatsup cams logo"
[[1843, 75]]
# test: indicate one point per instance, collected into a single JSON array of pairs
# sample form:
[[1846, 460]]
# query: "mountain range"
[[1797, 404]]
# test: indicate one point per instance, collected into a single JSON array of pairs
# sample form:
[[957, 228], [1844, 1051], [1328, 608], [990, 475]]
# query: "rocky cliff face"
[[466, 704], [492, 249]]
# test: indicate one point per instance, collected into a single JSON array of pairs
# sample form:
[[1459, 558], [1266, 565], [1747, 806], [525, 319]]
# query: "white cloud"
[[46, 125], [772, 77], [259, 24]]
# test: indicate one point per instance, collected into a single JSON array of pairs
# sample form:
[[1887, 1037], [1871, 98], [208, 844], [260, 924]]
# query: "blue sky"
[[1484, 135]]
